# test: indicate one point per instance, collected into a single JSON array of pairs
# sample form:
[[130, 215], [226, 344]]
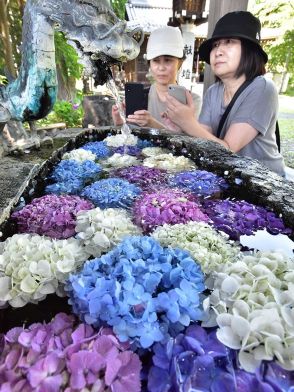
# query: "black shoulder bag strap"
[[229, 107]]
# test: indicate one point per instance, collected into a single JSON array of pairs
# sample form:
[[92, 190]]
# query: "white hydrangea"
[[79, 155], [100, 230], [121, 140], [32, 266], [211, 249], [169, 162], [119, 160], [254, 302], [153, 151]]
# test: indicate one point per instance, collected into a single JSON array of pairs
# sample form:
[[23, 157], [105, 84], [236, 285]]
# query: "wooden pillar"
[[217, 9]]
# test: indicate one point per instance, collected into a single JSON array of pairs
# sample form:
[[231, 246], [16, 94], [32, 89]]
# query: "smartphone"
[[136, 97], [178, 92]]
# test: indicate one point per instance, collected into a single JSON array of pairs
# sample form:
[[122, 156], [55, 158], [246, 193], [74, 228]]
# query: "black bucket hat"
[[238, 24]]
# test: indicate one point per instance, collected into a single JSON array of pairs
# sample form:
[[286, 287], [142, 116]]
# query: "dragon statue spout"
[[90, 26]]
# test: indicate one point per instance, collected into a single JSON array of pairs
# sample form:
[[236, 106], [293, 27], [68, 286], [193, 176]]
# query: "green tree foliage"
[[119, 7], [277, 14]]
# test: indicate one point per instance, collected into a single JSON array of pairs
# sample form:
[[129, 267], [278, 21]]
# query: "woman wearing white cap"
[[240, 110], [165, 54]]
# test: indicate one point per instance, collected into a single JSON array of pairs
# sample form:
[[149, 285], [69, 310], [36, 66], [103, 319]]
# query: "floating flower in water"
[[100, 230], [144, 291], [100, 149], [143, 143], [169, 162], [121, 140], [79, 155], [240, 217], [111, 192], [32, 266], [166, 206], [208, 247], [129, 150], [200, 182], [71, 170], [72, 187], [196, 360], [142, 175], [153, 151], [253, 299], [119, 160], [51, 215], [62, 356]]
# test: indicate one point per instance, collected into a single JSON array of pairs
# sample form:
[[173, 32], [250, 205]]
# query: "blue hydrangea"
[[200, 182], [111, 192], [72, 187], [100, 149], [70, 170], [143, 143], [147, 293]]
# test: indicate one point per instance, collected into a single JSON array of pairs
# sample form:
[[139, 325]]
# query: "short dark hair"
[[252, 62]]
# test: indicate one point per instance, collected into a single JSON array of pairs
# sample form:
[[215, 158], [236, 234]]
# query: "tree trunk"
[[217, 9], [5, 37]]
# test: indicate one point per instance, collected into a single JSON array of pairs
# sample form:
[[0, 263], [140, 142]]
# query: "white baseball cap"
[[165, 41]]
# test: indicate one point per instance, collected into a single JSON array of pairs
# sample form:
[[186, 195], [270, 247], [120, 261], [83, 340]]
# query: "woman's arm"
[[237, 136], [143, 118]]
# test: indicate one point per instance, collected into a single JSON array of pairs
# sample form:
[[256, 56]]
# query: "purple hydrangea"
[[144, 291], [111, 193], [51, 215], [142, 175], [200, 182], [129, 150], [65, 356], [238, 218], [169, 206], [196, 361], [100, 149]]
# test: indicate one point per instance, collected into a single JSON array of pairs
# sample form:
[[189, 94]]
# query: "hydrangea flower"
[[79, 155], [111, 192], [153, 151], [61, 357], [253, 300], [143, 143], [211, 249], [129, 150], [100, 149], [100, 230], [200, 182], [144, 291], [32, 266], [166, 206], [72, 187], [240, 217], [196, 360], [71, 170], [121, 140], [51, 215], [142, 176], [169, 162], [119, 160]]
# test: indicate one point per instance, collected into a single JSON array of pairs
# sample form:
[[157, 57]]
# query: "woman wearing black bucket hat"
[[240, 110]]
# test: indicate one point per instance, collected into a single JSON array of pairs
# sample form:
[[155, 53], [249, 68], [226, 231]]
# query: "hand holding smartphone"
[[136, 97], [178, 92]]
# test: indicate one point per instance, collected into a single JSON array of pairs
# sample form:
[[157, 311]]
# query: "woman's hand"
[[180, 114], [142, 118], [116, 117]]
